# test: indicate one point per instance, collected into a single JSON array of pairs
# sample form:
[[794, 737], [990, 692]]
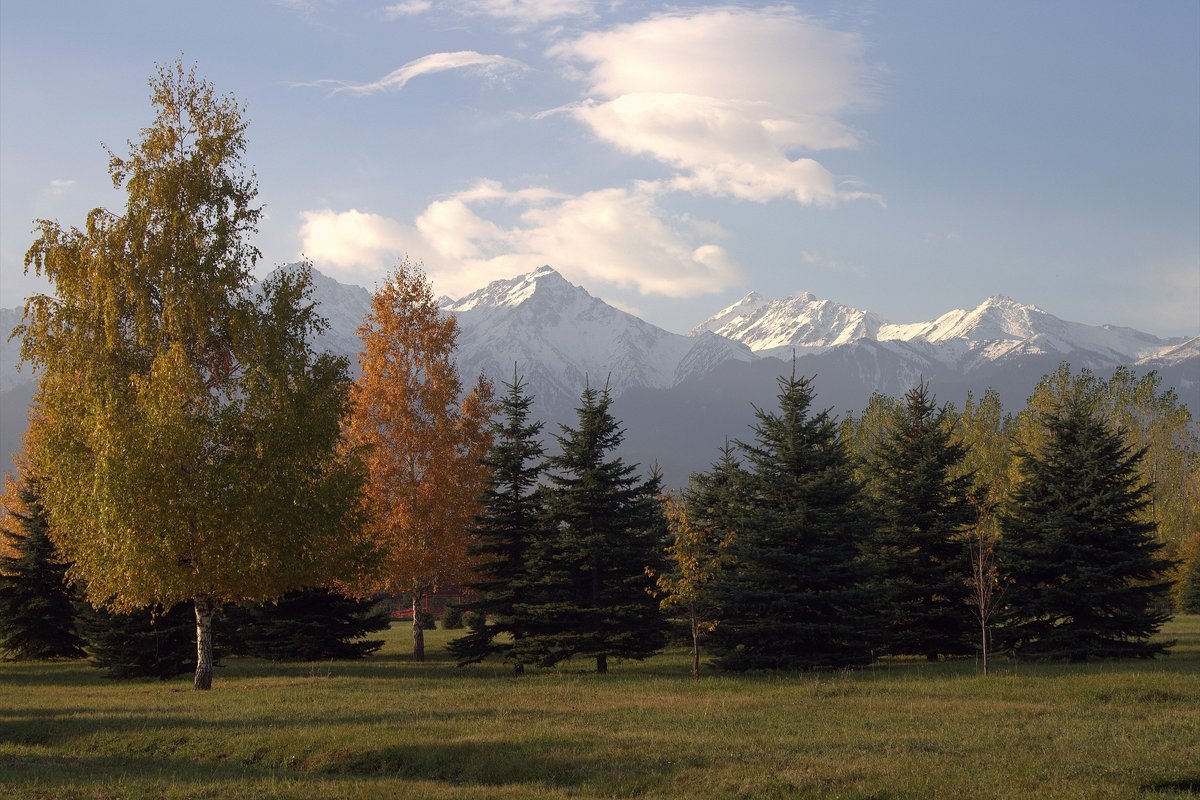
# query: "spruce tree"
[[146, 643], [37, 616], [1085, 576], [510, 519], [920, 498], [305, 625], [795, 595], [590, 594]]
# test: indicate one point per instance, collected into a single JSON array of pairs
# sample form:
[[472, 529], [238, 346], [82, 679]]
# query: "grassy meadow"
[[389, 728]]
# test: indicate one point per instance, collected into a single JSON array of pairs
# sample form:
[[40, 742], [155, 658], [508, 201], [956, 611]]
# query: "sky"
[[906, 158]]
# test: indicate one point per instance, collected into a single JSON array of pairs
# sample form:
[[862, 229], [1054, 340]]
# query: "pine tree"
[[511, 517], [590, 594], [922, 507], [795, 596], [1083, 564], [37, 615], [305, 625], [146, 643]]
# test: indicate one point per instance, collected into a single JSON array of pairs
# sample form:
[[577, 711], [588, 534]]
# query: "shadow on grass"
[[560, 763]]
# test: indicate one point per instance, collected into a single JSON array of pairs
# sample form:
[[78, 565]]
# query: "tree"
[[150, 642], [592, 595], [922, 513], [1148, 417], [984, 431], [693, 562], [511, 518], [1187, 598], [423, 447], [184, 433], [1084, 567], [37, 614], [796, 595], [314, 624]]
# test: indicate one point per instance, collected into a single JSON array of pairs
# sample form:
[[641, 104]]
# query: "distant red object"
[[402, 613]]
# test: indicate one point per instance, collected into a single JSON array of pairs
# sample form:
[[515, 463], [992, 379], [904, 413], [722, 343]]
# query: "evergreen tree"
[[922, 513], [1083, 563], [305, 625], [795, 596], [511, 518], [37, 615], [147, 643], [590, 594]]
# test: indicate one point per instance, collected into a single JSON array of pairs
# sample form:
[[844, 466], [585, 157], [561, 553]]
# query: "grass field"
[[388, 728]]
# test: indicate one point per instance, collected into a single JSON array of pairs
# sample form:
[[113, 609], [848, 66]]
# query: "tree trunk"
[[601, 665], [984, 639], [204, 644], [418, 628], [695, 644]]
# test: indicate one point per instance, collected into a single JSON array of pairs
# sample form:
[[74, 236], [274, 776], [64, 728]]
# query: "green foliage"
[[146, 643], [795, 596], [1147, 418], [922, 511], [1188, 596], [1084, 569], [590, 593], [185, 432], [452, 617], [304, 625], [511, 518], [37, 615]]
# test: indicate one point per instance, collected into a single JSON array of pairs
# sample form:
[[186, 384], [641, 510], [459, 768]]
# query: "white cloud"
[[60, 185], [493, 67], [409, 8], [615, 236], [728, 97], [355, 243]]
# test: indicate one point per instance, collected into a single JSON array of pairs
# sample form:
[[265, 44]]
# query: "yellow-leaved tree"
[[422, 441], [184, 434]]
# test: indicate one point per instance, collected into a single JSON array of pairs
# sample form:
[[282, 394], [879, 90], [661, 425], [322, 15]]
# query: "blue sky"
[[906, 158]]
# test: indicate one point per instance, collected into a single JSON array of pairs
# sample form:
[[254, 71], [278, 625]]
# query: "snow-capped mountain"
[[774, 327], [560, 338], [963, 339], [680, 397]]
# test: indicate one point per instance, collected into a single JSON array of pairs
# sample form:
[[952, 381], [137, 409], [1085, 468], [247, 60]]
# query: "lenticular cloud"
[[729, 98]]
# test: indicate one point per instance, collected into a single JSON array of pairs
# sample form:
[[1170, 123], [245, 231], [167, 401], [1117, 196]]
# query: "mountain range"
[[681, 396]]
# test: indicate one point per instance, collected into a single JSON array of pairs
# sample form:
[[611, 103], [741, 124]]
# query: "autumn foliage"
[[421, 444]]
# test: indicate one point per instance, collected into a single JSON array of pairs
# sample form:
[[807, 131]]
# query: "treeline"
[[188, 450]]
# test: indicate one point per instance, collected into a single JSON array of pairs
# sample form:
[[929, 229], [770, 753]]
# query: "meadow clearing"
[[386, 727]]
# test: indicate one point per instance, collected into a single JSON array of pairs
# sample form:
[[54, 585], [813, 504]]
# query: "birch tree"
[[423, 447], [183, 431]]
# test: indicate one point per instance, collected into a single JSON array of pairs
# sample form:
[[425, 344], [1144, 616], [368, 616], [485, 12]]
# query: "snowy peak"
[[999, 327], [801, 322], [544, 283], [559, 337], [998, 318]]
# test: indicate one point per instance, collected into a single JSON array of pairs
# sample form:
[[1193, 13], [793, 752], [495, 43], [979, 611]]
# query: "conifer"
[[313, 624], [37, 616], [146, 643], [1086, 579], [795, 596], [590, 594], [511, 517], [920, 499]]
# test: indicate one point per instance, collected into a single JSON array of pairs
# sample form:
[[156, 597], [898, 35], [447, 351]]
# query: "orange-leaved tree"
[[423, 442]]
